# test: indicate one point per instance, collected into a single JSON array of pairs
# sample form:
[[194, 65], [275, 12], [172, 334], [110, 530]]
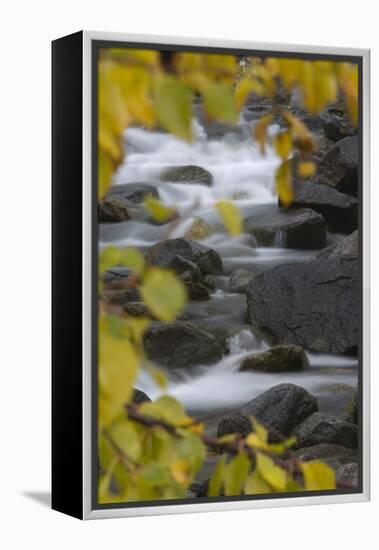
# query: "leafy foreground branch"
[[157, 451]]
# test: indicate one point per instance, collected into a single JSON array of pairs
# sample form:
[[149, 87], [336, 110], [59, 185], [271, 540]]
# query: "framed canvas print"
[[210, 275]]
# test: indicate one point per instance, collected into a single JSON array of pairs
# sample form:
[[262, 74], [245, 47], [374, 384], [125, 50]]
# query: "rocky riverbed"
[[272, 325]]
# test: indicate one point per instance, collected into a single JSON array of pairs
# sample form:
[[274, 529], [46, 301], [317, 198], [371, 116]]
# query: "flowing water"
[[239, 172]]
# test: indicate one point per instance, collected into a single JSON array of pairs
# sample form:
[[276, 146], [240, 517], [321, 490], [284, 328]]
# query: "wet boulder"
[[300, 228], [181, 344], [239, 280], [340, 211], [348, 474], [339, 167], [324, 428], [113, 209], [165, 253], [282, 407], [336, 122], [198, 230], [278, 359], [133, 192], [139, 396], [313, 304], [187, 174], [324, 450], [234, 424], [349, 246]]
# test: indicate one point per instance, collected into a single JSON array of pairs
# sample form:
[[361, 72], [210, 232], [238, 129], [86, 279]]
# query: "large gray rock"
[[340, 211], [181, 344], [112, 209], [165, 254], [133, 192], [298, 228], [349, 246], [234, 424], [313, 304], [282, 407], [277, 359], [324, 428], [339, 167], [187, 174], [324, 450], [348, 474]]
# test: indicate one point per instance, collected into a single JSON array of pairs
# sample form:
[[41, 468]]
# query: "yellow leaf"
[[318, 476], [181, 472], [106, 168], [173, 105], [158, 211], [260, 130], [271, 472], [283, 179], [231, 216], [158, 375], [306, 168], [289, 70], [112, 256], [164, 294], [235, 474], [246, 86], [254, 441], [282, 142]]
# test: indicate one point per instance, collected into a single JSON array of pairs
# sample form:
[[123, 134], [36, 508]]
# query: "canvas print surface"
[[229, 275]]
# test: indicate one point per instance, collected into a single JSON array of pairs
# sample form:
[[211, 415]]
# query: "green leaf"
[[235, 474], [215, 482], [154, 474], [164, 294], [271, 473], [112, 256], [256, 485], [127, 438], [318, 476], [219, 102], [173, 105], [158, 211], [231, 216], [171, 410]]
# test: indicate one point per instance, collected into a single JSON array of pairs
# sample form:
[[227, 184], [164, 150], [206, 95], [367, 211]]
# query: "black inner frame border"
[[96, 45]]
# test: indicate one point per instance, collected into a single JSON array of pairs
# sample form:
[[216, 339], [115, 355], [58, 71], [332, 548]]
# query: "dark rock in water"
[[239, 280], [324, 428], [138, 309], [140, 396], [349, 246], [209, 282], [282, 407], [277, 359], [165, 252], [200, 488], [197, 291], [186, 269], [352, 408], [323, 450], [298, 228], [121, 297], [340, 211], [336, 123], [234, 424], [112, 209], [313, 304], [348, 474], [339, 167], [116, 273], [181, 344], [187, 174], [133, 192]]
